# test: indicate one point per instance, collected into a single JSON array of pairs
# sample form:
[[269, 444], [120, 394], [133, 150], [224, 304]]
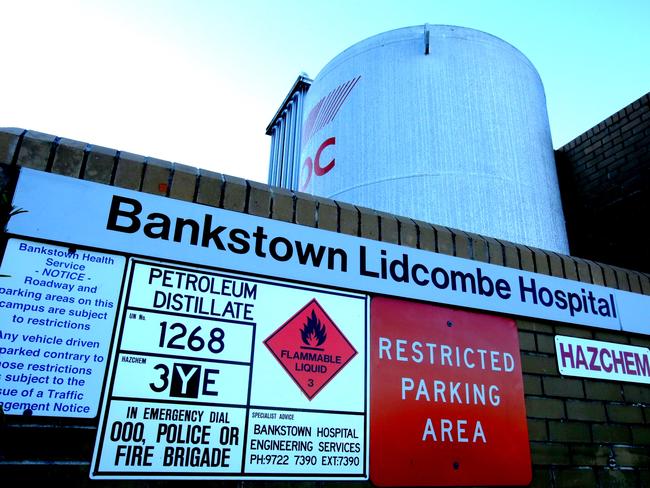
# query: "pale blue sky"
[[197, 81]]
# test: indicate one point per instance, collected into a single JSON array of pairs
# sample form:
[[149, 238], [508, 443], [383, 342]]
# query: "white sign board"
[[219, 375], [57, 310], [148, 225], [602, 360]]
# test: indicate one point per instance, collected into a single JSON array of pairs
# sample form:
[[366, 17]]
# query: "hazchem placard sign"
[[447, 398], [57, 310], [218, 375], [602, 360]]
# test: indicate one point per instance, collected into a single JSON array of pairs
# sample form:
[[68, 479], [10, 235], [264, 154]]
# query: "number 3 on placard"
[[164, 376]]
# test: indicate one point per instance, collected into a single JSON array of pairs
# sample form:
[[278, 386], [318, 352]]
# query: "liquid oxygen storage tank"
[[443, 124]]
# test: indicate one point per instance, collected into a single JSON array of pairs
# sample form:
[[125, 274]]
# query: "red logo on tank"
[[319, 117], [311, 348]]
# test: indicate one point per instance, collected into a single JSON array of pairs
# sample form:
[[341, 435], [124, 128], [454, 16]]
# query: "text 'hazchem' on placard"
[[603, 360]]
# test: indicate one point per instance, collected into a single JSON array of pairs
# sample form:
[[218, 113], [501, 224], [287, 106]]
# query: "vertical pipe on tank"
[[285, 149], [300, 100], [276, 163], [291, 121], [272, 160], [279, 155], [296, 142]]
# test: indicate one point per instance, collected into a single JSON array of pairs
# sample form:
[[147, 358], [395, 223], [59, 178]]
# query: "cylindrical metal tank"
[[438, 123]]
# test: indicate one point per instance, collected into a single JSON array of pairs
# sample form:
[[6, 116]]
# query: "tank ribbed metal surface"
[[285, 132], [439, 123]]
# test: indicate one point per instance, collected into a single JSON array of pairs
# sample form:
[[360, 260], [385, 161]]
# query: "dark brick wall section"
[[10, 138], [68, 158], [605, 183], [130, 170], [582, 432]]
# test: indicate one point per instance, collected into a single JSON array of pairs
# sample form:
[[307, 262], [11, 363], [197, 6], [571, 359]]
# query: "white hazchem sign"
[[195, 389], [587, 358]]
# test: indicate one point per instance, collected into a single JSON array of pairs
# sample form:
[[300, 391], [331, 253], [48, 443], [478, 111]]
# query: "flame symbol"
[[313, 334]]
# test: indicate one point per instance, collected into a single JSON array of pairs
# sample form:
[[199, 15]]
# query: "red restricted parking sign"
[[446, 398]]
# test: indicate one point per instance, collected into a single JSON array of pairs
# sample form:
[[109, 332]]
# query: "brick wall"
[[605, 183], [582, 432]]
